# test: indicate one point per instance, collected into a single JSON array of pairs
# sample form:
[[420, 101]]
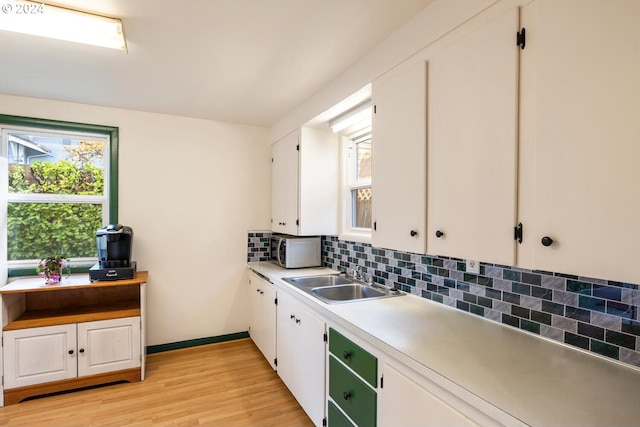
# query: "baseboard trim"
[[196, 342]]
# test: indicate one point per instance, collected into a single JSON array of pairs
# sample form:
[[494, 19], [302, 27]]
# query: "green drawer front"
[[360, 403], [337, 418], [361, 361]]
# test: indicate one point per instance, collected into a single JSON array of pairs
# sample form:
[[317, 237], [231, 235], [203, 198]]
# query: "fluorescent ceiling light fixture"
[[351, 117], [45, 20]]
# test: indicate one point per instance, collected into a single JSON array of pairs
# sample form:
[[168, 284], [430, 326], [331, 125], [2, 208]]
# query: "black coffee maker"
[[114, 254]]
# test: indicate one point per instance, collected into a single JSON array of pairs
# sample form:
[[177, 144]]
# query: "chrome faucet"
[[357, 273]]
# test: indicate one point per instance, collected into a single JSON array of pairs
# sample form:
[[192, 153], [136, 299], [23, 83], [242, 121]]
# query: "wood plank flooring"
[[224, 384]]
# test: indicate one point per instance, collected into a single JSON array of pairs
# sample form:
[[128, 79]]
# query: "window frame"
[[111, 132], [348, 185]]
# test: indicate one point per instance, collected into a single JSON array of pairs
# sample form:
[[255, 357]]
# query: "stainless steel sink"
[[347, 292], [317, 281], [337, 289]]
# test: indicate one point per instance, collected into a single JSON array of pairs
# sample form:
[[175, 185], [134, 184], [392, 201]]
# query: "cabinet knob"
[[413, 233], [547, 241], [261, 292], [81, 350], [346, 354], [70, 351], [439, 234], [346, 395]]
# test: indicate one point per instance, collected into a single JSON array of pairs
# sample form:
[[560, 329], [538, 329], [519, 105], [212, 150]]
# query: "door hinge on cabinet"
[[517, 233], [374, 109], [325, 337], [324, 421], [521, 37], [275, 361], [297, 222], [382, 381], [375, 225], [298, 147], [275, 301]]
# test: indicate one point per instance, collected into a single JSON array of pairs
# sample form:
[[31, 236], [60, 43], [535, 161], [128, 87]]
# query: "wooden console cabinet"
[[71, 335]]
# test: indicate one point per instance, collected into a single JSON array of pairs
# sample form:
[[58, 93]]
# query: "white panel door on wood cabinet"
[[404, 402], [262, 318], [39, 355], [301, 355], [108, 345], [472, 151], [587, 139], [284, 184], [399, 144]]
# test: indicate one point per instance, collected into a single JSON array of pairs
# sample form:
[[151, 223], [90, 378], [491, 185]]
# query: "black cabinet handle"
[[413, 233], [439, 234], [346, 395], [81, 350], [346, 354], [70, 351], [298, 321], [293, 316], [547, 241]]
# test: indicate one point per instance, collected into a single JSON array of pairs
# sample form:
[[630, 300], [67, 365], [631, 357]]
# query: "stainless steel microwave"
[[296, 252]]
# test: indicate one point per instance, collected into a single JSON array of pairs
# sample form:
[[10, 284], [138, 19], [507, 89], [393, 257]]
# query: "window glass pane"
[[37, 230], [363, 160], [361, 207], [54, 165]]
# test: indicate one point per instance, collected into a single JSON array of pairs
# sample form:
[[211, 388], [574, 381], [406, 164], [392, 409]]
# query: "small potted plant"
[[51, 268]]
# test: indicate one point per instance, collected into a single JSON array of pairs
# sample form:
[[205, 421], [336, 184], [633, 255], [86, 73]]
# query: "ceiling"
[[240, 61]]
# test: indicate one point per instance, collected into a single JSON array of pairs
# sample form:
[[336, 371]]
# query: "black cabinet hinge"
[[517, 233], [374, 109], [298, 147], [521, 37], [382, 381], [324, 421], [297, 222], [375, 225], [325, 338], [275, 301], [275, 361]]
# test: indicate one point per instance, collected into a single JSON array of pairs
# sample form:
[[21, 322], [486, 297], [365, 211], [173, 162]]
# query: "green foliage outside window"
[[35, 229]]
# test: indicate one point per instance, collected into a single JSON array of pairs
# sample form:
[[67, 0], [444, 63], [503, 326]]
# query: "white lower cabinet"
[[262, 317], [410, 400], [53, 353], [301, 349]]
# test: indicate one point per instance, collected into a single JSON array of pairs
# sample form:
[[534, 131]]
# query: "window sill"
[[360, 237]]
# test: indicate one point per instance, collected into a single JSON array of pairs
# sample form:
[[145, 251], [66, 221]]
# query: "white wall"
[[190, 189]]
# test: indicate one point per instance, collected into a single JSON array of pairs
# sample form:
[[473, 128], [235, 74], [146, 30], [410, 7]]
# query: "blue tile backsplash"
[[600, 316]]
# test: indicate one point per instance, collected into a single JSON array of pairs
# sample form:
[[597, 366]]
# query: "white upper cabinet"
[[399, 145], [582, 90], [472, 150], [305, 183]]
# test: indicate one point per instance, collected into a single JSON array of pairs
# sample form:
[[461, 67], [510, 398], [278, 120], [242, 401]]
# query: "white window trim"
[[347, 232]]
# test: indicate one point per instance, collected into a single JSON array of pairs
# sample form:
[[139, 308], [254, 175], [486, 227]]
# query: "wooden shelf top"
[[75, 281]]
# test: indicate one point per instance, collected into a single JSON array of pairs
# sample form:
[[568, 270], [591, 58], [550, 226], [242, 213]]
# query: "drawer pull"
[[346, 395], [346, 354]]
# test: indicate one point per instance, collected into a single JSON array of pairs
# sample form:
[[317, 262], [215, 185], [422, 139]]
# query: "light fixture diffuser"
[[55, 22]]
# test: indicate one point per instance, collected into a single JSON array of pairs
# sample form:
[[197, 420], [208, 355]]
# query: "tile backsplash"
[[600, 316]]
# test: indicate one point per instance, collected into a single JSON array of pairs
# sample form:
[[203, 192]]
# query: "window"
[[62, 187]]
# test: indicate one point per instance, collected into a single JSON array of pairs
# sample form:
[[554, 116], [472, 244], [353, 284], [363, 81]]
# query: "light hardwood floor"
[[224, 384]]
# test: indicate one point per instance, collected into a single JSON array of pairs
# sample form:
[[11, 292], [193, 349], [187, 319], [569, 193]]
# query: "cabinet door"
[[262, 318], [108, 345], [473, 110], [39, 355], [399, 144], [284, 184], [301, 356], [404, 402], [587, 132]]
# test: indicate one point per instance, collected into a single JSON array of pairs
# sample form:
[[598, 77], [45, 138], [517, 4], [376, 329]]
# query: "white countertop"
[[535, 380]]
